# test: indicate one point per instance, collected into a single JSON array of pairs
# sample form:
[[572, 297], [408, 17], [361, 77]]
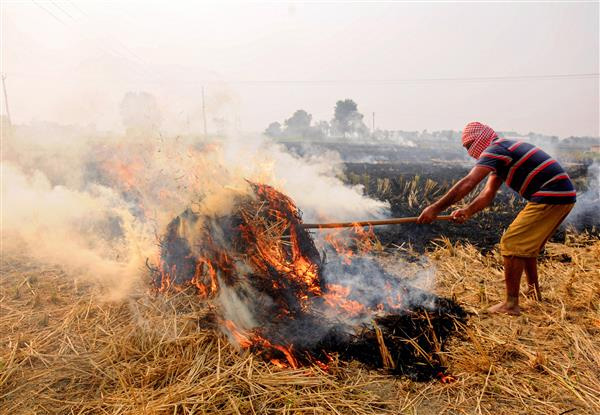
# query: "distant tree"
[[323, 128], [274, 130], [347, 119], [298, 125], [140, 112]]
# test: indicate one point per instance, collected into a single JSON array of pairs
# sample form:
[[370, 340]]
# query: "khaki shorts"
[[532, 228]]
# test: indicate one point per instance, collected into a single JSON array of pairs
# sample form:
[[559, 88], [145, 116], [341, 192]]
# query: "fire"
[[243, 339], [337, 298], [125, 173], [205, 268], [446, 378], [340, 247], [262, 255], [248, 340], [359, 240]]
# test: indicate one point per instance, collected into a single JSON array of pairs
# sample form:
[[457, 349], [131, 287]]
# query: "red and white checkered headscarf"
[[478, 136]]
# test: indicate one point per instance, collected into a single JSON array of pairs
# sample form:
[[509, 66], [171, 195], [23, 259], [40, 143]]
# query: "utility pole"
[[204, 115], [373, 123], [6, 101]]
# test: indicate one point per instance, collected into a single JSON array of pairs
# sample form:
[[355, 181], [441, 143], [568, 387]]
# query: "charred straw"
[[261, 254]]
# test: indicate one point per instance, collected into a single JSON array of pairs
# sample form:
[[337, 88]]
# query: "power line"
[[75, 6], [50, 13], [325, 82], [58, 6], [138, 68], [143, 67], [422, 80], [115, 40]]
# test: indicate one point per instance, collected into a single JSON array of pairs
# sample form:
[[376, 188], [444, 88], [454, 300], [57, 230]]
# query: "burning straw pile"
[[274, 294]]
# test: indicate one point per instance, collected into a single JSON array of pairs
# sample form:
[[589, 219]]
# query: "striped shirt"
[[529, 171]]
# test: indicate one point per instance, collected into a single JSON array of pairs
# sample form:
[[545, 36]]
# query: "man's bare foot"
[[513, 310]]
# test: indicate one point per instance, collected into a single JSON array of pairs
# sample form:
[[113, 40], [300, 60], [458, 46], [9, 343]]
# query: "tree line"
[[347, 122]]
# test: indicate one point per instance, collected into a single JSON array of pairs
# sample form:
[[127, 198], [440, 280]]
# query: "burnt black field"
[[411, 178]]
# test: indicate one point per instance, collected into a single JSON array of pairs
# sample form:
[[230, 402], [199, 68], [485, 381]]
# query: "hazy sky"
[[71, 62]]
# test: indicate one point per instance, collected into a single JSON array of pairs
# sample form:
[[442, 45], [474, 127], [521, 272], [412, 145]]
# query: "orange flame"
[[337, 298], [247, 340], [272, 243], [124, 173], [446, 378]]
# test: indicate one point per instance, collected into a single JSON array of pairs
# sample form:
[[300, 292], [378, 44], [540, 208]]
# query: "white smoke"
[[587, 208], [372, 282], [91, 234], [95, 203]]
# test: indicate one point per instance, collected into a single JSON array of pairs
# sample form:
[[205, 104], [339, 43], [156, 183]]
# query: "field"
[[410, 186], [410, 178], [67, 349], [193, 197]]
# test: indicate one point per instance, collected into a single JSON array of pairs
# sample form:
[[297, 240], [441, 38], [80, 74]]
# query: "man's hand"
[[460, 215], [428, 215], [462, 188]]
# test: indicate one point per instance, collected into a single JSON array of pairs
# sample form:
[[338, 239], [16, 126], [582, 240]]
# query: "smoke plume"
[[94, 202], [586, 213]]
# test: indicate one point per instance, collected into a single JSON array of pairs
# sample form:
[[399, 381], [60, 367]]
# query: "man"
[[535, 176]]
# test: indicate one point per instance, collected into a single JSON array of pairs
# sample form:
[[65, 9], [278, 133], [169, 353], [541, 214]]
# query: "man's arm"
[[482, 200], [462, 188]]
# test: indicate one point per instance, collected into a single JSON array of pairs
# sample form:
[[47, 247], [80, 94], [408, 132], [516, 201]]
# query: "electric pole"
[[204, 115], [6, 101]]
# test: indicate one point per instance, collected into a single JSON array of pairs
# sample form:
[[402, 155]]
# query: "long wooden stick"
[[392, 221]]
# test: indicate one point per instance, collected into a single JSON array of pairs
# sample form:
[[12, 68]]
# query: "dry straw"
[[65, 351]]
